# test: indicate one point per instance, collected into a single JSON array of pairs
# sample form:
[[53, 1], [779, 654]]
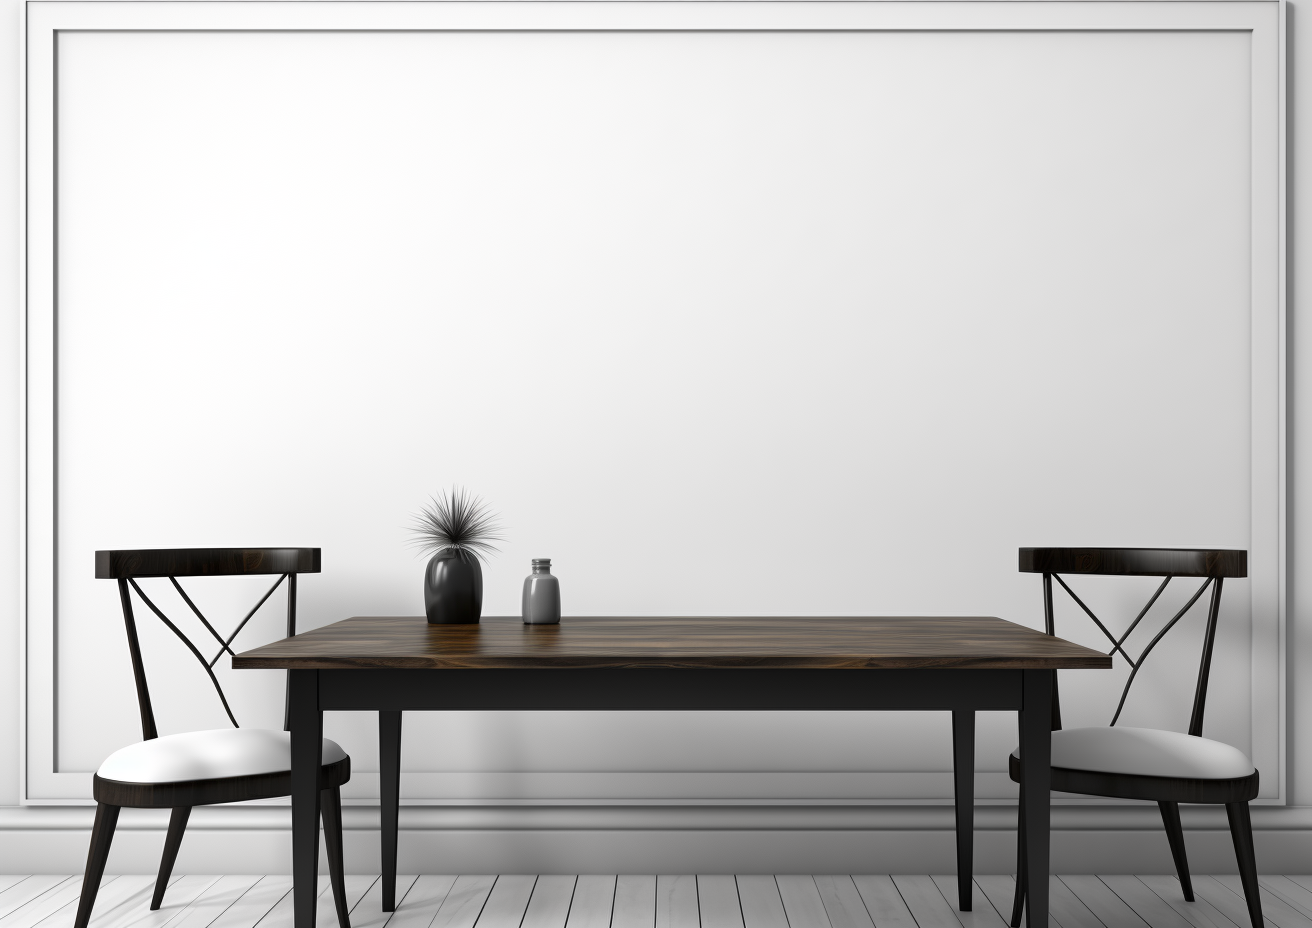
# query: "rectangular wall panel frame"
[[1261, 20]]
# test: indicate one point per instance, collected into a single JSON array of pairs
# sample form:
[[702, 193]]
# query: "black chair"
[[1144, 763], [203, 767]]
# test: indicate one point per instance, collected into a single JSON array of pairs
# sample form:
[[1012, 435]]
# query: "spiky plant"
[[457, 520]]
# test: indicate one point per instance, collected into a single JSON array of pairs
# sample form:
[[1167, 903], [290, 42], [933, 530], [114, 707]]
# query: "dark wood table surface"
[[393, 664]]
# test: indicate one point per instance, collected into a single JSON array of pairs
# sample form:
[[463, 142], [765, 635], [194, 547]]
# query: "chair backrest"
[[1211, 564], [128, 566]]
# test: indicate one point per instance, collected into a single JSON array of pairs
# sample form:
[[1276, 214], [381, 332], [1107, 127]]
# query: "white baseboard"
[[647, 839]]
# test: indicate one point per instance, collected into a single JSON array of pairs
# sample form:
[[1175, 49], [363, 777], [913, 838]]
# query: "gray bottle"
[[541, 595]]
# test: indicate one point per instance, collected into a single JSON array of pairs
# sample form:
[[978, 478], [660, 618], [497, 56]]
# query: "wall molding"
[[40, 782]]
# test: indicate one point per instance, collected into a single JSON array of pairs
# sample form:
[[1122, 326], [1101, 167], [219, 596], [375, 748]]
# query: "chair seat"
[[1147, 752], [207, 755]]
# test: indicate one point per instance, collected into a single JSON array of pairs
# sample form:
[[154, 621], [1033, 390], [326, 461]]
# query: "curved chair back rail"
[[127, 566], [1136, 562], [1212, 564], [1141, 780], [205, 562]]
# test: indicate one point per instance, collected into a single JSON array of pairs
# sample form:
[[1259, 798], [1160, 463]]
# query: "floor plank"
[[507, 902], [255, 903], [549, 905], [1233, 906], [283, 914], [883, 901], [762, 906], [462, 905], [47, 903], [325, 913], [420, 905], [635, 902], [1274, 909], [1300, 897], [982, 913], [926, 903], [1200, 912], [1151, 907], [593, 903], [213, 901], [802, 903], [7, 882], [676, 901], [717, 901], [181, 893], [32, 887], [1066, 908], [1099, 899], [703, 901], [842, 902], [116, 903], [1000, 892], [368, 912]]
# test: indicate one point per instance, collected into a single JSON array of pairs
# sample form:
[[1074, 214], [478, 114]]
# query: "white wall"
[[1151, 256]]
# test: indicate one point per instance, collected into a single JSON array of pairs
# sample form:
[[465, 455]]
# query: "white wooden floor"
[[784, 901]]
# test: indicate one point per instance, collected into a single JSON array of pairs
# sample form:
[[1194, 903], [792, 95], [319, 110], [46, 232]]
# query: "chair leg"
[[1175, 835], [1241, 832], [330, 806], [102, 835], [172, 841], [1018, 905]]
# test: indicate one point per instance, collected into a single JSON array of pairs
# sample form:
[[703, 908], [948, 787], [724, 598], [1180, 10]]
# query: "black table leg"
[[1036, 797], [389, 766], [306, 721], [963, 771]]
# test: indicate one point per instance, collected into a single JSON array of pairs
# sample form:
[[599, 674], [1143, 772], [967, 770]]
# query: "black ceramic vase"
[[453, 588]]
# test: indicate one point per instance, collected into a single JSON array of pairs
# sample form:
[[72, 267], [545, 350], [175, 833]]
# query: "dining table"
[[394, 664]]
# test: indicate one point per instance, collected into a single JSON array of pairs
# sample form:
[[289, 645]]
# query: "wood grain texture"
[[1136, 562], [217, 899], [842, 902], [549, 906], [983, 914], [464, 903], [371, 642], [717, 902], [1151, 908], [1152, 789], [635, 901], [593, 902], [676, 901], [761, 903], [1200, 913], [208, 792], [205, 562], [1097, 896], [418, 907], [506, 904], [884, 902], [1275, 910], [926, 902], [801, 899]]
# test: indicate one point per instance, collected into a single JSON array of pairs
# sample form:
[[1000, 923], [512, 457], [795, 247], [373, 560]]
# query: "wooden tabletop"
[[409, 642]]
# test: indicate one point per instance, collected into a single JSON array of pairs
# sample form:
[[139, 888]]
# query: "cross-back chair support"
[[126, 567], [1213, 566]]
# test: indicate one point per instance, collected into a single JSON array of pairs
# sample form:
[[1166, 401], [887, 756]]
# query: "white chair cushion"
[[206, 755], [1146, 752]]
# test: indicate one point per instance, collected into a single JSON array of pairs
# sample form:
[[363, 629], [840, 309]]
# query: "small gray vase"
[[541, 595]]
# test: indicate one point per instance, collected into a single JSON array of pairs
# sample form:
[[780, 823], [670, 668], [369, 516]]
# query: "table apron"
[[669, 688]]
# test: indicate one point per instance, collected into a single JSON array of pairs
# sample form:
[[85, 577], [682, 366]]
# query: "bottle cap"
[[541, 562]]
